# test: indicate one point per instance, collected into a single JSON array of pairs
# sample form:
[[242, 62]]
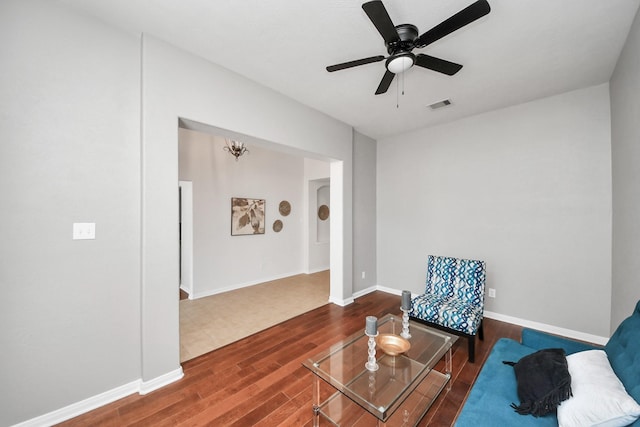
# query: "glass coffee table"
[[399, 393]]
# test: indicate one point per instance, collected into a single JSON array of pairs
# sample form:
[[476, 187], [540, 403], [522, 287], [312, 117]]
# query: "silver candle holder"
[[405, 307], [405, 324], [372, 364]]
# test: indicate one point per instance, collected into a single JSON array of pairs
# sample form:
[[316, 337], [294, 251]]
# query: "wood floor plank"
[[260, 380]]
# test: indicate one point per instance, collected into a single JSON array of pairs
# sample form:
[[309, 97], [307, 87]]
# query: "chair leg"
[[481, 331], [472, 349]]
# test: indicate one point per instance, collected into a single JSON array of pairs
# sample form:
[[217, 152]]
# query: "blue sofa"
[[495, 388]]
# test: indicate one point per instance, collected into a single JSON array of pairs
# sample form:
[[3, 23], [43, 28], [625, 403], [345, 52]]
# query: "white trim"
[[94, 402], [569, 333], [576, 335], [365, 291], [318, 270], [186, 210], [391, 291], [211, 292], [339, 248], [161, 381], [341, 303], [82, 407]]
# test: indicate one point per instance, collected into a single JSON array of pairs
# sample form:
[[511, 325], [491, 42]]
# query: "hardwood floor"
[[260, 381]]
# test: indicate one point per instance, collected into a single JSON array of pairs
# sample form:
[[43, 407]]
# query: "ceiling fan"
[[400, 41]]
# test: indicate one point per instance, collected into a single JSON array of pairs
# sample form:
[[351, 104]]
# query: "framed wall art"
[[247, 216]]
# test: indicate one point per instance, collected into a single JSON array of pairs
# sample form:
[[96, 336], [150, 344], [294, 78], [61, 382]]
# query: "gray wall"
[[86, 317], [526, 188], [179, 85], [220, 261], [625, 148], [70, 152], [95, 319], [364, 212]]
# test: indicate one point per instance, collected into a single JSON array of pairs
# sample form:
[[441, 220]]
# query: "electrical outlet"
[[363, 274], [492, 293]]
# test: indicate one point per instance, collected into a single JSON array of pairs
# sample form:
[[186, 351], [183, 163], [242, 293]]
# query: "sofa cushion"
[[488, 403], [623, 351], [539, 340], [599, 397]]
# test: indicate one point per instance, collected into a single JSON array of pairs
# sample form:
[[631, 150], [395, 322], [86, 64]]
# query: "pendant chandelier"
[[235, 148]]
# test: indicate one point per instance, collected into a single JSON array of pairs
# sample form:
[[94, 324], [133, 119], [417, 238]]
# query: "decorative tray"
[[392, 344]]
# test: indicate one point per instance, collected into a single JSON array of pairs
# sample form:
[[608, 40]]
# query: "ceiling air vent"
[[440, 104]]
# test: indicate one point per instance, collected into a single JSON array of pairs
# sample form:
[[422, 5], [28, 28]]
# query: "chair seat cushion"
[[452, 314]]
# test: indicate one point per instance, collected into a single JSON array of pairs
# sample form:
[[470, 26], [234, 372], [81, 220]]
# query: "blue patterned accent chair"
[[454, 298]]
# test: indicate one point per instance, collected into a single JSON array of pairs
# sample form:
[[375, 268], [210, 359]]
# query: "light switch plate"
[[84, 230]]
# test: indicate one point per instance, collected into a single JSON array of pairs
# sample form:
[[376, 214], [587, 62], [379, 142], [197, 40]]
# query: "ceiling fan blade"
[[437, 64], [466, 16], [385, 82], [376, 11], [355, 63]]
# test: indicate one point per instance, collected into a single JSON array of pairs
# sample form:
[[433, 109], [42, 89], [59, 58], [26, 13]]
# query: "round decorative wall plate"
[[323, 212], [277, 225], [284, 208]]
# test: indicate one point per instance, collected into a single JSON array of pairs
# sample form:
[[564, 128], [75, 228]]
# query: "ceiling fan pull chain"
[[401, 77]]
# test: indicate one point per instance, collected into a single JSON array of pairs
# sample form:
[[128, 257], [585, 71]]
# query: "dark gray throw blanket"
[[543, 381]]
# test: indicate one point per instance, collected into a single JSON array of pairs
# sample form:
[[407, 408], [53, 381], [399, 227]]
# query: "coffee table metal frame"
[[407, 381]]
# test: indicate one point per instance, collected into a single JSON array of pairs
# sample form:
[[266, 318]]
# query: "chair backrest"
[[462, 279], [623, 351]]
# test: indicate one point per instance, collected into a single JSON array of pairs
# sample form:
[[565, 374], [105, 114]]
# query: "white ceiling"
[[522, 50]]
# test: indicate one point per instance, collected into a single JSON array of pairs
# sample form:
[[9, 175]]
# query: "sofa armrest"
[[539, 340]]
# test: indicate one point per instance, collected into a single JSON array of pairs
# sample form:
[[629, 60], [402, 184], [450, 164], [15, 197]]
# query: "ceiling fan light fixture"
[[401, 62]]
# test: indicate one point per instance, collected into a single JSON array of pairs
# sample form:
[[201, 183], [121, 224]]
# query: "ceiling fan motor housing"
[[407, 35], [400, 57]]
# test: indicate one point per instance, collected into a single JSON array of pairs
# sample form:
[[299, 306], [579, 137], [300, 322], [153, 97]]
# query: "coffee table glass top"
[[381, 392]]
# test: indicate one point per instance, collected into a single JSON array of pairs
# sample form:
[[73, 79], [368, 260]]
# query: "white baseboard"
[[317, 270], [161, 381], [91, 403], [389, 290], [569, 333], [342, 302], [187, 290], [365, 291], [82, 407], [211, 292]]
